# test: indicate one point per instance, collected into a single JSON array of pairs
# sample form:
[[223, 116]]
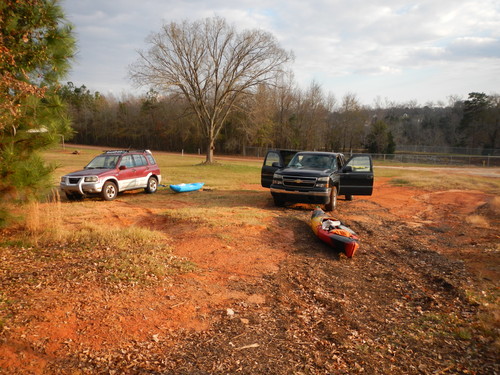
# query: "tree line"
[[283, 115]]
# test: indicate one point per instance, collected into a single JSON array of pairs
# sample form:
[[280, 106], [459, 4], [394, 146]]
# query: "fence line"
[[441, 159], [472, 160], [449, 150]]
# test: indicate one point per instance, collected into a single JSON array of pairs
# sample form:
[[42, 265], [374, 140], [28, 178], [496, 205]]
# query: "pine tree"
[[36, 46]]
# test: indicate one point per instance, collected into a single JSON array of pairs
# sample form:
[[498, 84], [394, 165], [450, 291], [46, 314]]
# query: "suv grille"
[[299, 182], [74, 180]]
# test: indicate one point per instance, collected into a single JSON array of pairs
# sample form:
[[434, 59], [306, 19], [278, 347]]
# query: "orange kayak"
[[332, 232]]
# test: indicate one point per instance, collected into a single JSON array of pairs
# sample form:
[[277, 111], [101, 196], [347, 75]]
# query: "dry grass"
[[430, 180], [478, 221], [44, 222], [216, 217], [99, 253], [488, 215], [494, 205]]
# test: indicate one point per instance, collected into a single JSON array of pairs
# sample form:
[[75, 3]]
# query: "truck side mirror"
[[347, 169], [276, 164], [122, 167]]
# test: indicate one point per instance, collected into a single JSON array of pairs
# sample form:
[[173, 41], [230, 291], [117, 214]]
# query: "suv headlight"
[[323, 182], [277, 179], [63, 179], [91, 179]]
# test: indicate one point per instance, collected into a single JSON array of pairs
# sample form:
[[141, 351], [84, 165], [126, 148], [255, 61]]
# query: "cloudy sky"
[[379, 50]]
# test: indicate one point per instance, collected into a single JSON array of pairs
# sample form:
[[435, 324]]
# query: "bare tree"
[[352, 121], [212, 65]]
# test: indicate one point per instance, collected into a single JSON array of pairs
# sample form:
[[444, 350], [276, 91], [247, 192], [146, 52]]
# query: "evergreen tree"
[[380, 139], [36, 45], [391, 143]]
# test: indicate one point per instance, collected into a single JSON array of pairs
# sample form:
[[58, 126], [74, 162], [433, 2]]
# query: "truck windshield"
[[312, 161]]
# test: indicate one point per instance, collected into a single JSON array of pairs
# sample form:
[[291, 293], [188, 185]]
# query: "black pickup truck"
[[316, 177]]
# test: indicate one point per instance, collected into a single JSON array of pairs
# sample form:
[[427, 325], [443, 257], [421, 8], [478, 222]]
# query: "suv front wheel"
[[109, 191]]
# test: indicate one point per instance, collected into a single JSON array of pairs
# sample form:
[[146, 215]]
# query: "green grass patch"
[[400, 182], [175, 168]]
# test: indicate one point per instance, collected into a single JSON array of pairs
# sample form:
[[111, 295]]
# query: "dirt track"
[[272, 299]]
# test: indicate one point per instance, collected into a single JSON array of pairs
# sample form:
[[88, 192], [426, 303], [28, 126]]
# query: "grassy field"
[[175, 168], [228, 174]]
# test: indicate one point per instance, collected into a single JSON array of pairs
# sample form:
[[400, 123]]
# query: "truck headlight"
[[323, 182], [63, 179], [91, 179], [277, 179]]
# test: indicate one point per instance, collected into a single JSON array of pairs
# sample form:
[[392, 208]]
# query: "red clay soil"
[[271, 298]]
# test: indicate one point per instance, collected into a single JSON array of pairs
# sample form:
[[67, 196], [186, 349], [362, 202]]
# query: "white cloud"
[[392, 48]]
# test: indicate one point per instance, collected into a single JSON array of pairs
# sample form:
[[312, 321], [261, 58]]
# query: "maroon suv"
[[113, 172]]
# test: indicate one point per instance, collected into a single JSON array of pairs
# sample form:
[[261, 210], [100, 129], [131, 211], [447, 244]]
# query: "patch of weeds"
[[225, 237], [400, 182], [483, 297], [362, 348], [216, 217], [463, 333], [487, 322], [478, 221], [18, 243], [187, 215], [4, 305], [129, 255], [441, 325], [182, 266]]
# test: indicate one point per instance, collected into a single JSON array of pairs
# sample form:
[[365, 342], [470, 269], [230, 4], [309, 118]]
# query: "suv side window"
[[139, 160], [127, 161], [151, 159]]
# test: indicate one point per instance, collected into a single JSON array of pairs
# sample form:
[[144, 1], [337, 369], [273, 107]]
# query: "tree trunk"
[[210, 151]]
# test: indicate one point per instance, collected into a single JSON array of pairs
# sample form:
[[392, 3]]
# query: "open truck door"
[[274, 160], [356, 177]]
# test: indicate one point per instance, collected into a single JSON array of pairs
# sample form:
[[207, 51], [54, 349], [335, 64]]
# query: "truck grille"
[[74, 180], [299, 182]]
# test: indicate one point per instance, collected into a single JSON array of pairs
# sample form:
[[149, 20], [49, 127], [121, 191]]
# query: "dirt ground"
[[419, 296]]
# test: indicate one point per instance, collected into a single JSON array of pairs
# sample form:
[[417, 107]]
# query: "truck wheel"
[[278, 202], [330, 206], [152, 185], [109, 191]]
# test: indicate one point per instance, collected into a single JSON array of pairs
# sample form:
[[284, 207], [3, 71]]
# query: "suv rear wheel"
[[152, 185], [109, 191]]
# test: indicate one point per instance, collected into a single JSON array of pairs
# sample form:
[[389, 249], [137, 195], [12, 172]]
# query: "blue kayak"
[[181, 188]]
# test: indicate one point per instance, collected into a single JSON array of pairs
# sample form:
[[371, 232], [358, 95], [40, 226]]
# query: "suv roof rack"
[[125, 151]]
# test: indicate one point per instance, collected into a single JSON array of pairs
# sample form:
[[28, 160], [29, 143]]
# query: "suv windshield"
[[312, 161], [103, 162]]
